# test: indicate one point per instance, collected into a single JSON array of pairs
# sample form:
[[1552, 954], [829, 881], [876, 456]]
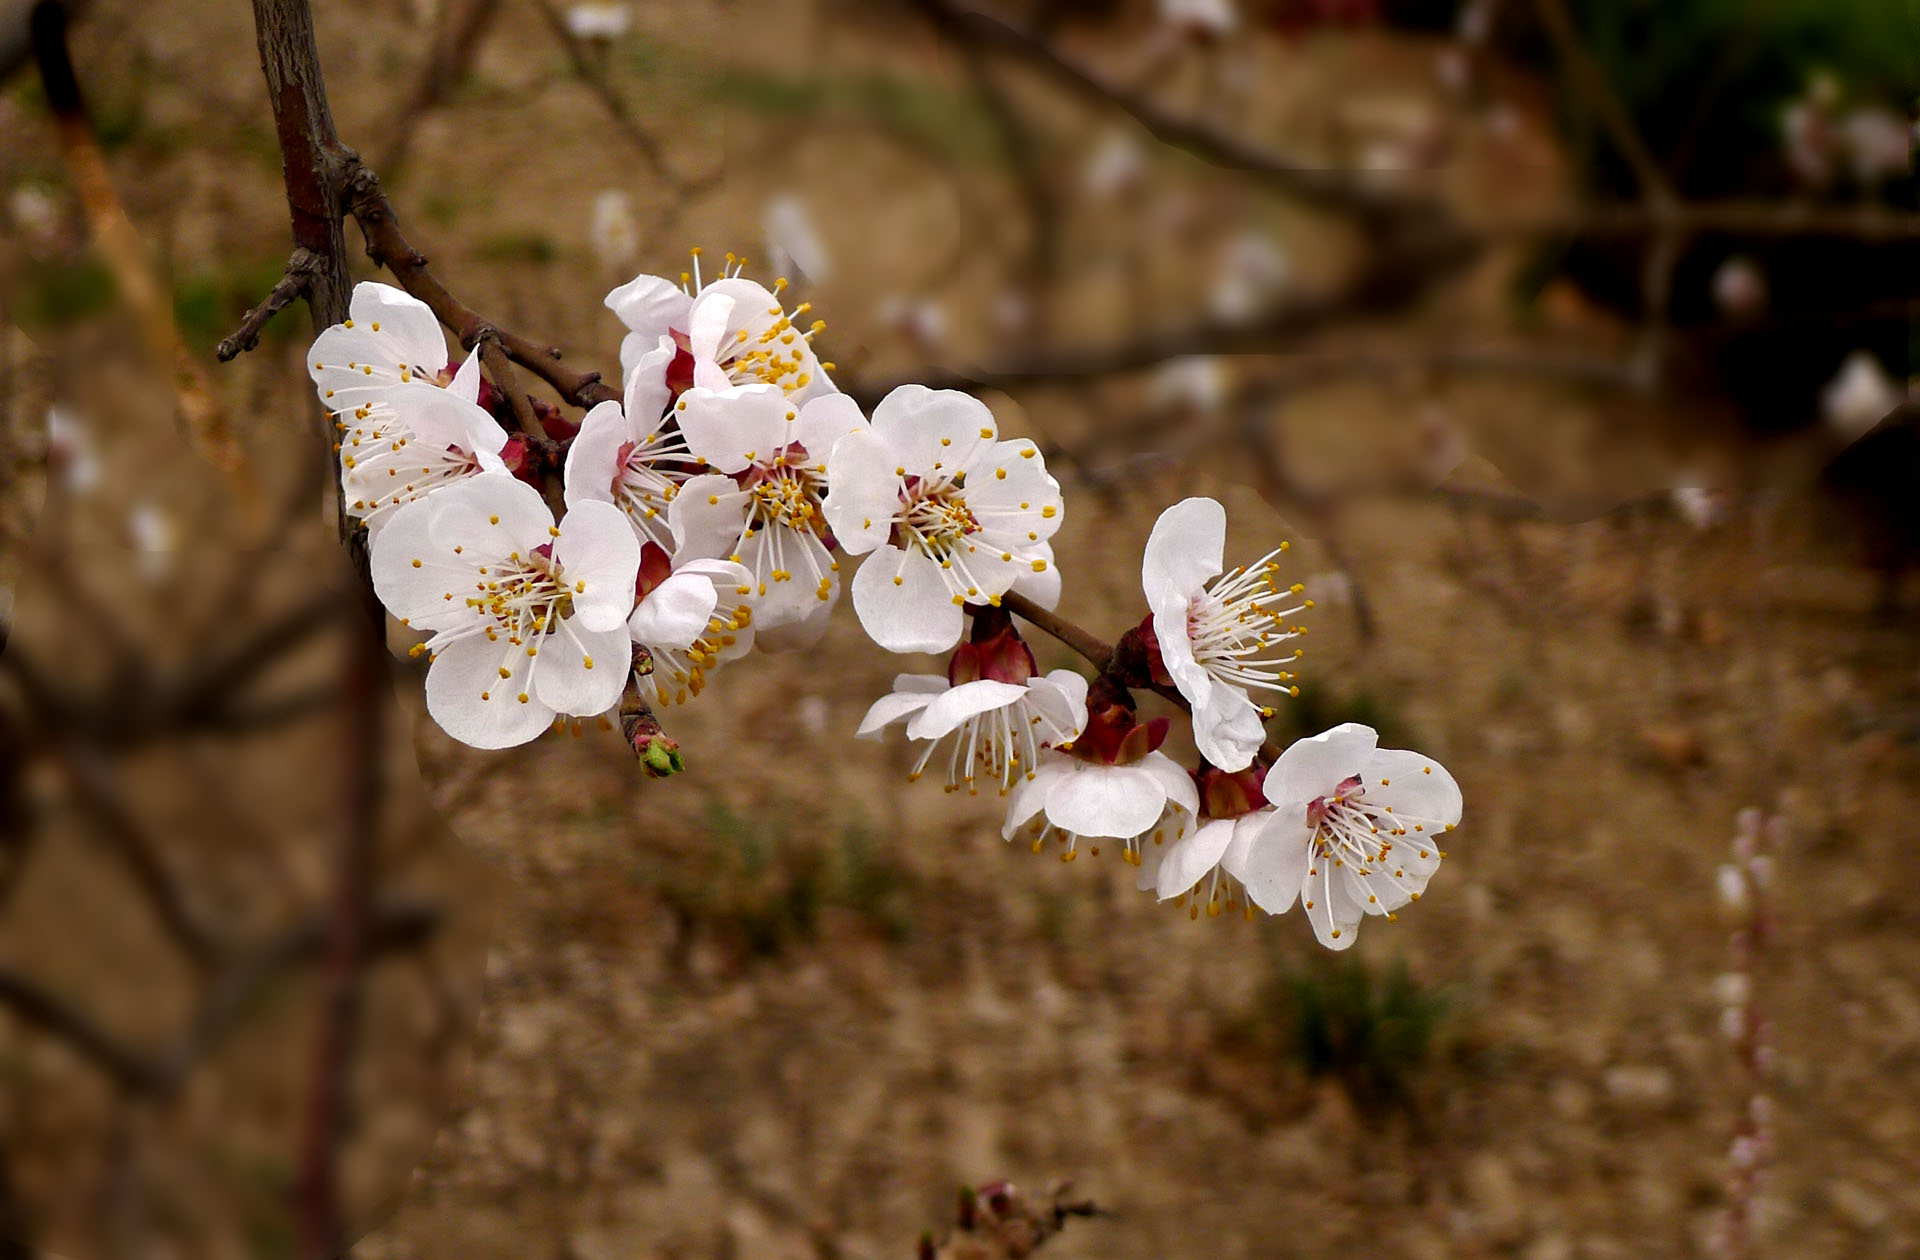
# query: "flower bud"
[[660, 757], [1000, 654]]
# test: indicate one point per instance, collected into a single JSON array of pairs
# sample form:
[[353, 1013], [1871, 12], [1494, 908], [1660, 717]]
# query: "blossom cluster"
[[708, 512]]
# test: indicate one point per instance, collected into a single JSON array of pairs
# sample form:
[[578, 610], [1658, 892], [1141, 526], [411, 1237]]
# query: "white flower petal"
[[1315, 766], [707, 517], [674, 613], [903, 602], [471, 702], [1029, 795], [948, 710], [891, 708], [599, 557], [1269, 856], [1331, 906], [915, 421], [1416, 786], [1097, 800], [647, 393], [1188, 859], [440, 419], [1184, 551], [593, 457], [824, 420], [865, 494], [1228, 729], [1042, 586], [416, 592], [1060, 698], [565, 682], [732, 428], [489, 516], [1174, 780]]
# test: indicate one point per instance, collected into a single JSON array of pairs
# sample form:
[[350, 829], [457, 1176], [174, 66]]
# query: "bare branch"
[[388, 247], [595, 78], [291, 287], [1330, 188]]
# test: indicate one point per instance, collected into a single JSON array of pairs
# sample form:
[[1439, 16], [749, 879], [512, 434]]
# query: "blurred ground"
[[784, 1005]]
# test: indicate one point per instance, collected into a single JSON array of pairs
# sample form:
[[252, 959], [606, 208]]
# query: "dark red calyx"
[[680, 370], [520, 460], [1003, 655], [555, 422], [655, 567], [1229, 795]]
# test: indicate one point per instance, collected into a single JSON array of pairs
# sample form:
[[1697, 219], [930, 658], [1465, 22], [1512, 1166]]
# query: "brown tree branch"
[[389, 248], [596, 81], [291, 287], [1328, 187]]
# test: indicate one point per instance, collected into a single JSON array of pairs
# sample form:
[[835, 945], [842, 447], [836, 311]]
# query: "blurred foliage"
[[765, 886], [1705, 81], [1374, 1031], [1321, 707], [209, 304], [59, 291], [952, 125], [519, 247]]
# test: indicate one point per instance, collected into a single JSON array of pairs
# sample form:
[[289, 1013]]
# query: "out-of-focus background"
[[1569, 340]]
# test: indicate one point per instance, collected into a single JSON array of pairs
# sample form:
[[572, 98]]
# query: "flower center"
[[524, 597], [787, 496], [1237, 625], [934, 517]]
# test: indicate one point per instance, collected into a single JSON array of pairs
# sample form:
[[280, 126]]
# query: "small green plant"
[[767, 889], [1372, 1030]]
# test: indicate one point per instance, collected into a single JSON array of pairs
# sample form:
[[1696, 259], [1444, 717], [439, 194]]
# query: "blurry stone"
[[1673, 745], [1499, 1211], [1549, 1247], [1858, 1206], [1570, 1099], [1644, 1086]]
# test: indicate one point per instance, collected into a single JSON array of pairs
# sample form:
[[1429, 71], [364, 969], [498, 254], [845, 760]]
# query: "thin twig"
[[291, 287], [610, 99]]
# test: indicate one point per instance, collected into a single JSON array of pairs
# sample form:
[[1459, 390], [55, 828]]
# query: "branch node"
[[294, 284]]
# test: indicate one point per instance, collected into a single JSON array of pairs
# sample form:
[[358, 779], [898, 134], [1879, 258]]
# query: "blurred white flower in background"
[[923, 320], [1878, 142], [35, 210], [602, 23], [794, 246], [1859, 396], [151, 532], [70, 451], [1201, 17], [1740, 287], [1249, 271], [1191, 382], [1700, 507], [615, 232]]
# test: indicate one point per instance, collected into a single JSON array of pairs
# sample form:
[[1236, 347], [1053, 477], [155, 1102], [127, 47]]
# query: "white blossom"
[[1072, 799], [413, 439], [761, 506], [949, 512], [389, 338], [601, 22], [1217, 638], [998, 730], [1249, 272], [1355, 831], [614, 232], [625, 454], [691, 620], [527, 620]]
